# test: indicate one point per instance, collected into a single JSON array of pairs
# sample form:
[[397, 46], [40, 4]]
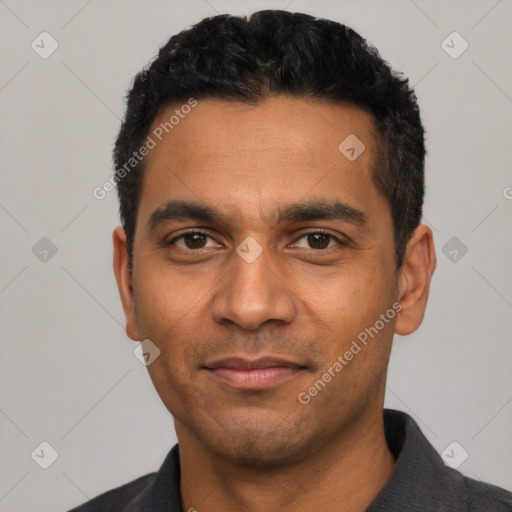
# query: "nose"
[[253, 293]]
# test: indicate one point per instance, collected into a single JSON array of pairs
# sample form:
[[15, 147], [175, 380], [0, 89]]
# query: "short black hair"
[[271, 52]]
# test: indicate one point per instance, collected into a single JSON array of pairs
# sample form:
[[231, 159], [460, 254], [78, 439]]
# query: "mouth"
[[253, 374]]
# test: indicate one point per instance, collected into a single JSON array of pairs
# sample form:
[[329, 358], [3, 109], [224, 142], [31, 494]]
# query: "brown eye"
[[193, 240], [318, 240]]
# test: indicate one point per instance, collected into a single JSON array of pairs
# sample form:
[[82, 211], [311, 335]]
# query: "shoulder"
[[422, 481], [149, 492], [119, 498], [481, 496]]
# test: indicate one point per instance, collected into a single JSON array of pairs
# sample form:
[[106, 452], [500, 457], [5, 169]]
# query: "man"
[[270, 172]]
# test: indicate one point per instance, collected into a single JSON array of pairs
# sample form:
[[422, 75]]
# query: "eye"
[[316, 240], [319, 240], [192, 240]]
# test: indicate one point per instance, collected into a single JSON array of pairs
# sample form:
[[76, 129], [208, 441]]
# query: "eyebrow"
[[179, 210]]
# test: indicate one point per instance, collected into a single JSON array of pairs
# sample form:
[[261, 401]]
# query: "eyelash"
[[316, 231]]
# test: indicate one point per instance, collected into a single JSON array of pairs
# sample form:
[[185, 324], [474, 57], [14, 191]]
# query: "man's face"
[[270, 276]]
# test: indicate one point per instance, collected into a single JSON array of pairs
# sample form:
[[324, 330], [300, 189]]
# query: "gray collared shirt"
[[420, 482]]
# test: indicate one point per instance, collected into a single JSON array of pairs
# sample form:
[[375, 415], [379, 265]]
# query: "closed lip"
[[245, 363], [253, 374]]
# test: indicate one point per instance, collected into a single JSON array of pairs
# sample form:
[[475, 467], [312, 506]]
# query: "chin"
[[264, 452], [257, 442]]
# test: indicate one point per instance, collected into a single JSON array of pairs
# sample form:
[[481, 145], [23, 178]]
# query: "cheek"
[[164, 300], [166, 313], [172, 310], [351, 304]]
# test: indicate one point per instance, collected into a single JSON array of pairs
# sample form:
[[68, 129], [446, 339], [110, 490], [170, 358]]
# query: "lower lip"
[[256, 378]]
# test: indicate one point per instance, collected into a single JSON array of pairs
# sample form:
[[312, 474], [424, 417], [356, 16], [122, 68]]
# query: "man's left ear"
[[414, 282]]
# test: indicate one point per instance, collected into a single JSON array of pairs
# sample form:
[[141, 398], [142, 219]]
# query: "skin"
[[260, 450]]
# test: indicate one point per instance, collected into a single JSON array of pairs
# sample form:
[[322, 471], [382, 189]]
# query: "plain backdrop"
[[68, 375]]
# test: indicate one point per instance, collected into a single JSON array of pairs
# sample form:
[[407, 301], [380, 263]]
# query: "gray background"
[[67, 372]]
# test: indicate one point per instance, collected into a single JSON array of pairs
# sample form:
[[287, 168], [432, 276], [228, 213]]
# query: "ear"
[[124, 282], [414, 281]]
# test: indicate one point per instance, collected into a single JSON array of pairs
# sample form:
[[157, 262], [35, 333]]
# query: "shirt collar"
[[417, 463]]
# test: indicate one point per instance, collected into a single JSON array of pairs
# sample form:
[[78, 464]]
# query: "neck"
[[344, 474]]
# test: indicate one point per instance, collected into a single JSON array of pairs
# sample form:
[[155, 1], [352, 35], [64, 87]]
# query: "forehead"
[[253, 158]]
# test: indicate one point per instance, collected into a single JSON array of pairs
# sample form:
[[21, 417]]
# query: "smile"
[[262, 373]]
